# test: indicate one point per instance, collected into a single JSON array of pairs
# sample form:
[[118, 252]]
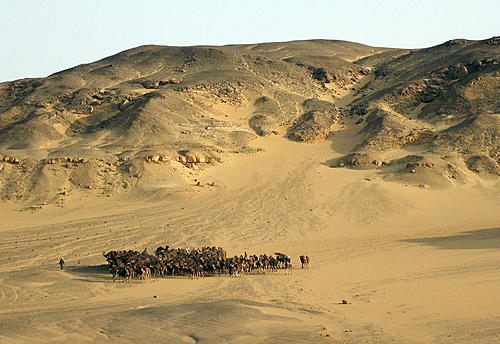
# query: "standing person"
[[61, 262]]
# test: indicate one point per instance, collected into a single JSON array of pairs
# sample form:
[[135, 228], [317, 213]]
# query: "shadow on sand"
[[471, 240], [91, 273]]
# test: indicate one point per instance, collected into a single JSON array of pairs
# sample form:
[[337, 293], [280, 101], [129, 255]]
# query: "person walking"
[[61, 262]]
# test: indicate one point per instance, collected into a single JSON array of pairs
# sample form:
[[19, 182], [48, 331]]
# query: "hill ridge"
[[194, 106]]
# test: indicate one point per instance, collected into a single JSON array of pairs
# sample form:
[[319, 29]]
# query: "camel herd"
[[206, 261]]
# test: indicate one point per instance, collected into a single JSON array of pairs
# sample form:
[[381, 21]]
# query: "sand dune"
[[416, 266]]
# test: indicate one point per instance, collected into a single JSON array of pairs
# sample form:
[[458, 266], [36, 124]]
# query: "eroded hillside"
[[153, 115], [442, 104]]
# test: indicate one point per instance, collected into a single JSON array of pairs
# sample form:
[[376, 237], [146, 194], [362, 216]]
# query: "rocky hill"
[[443, 103], [159, 113]]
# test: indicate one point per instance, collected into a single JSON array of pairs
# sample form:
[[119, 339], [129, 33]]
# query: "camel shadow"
[[484, 239], [90, 273]]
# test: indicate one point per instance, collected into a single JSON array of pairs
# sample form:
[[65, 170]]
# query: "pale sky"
[[39, 38]]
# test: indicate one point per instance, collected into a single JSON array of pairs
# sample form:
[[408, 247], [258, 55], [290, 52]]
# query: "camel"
[[304, 260], [282, 258]]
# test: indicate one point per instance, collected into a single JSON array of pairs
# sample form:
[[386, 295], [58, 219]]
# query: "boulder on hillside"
[[315, 124], [264, 125]]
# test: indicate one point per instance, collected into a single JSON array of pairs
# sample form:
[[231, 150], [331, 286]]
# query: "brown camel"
[[305, 261]]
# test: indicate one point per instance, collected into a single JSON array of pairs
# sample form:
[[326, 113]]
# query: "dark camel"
[[304, 260]]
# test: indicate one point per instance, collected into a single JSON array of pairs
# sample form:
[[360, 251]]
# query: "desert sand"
[[415, 265], [393, 191]]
